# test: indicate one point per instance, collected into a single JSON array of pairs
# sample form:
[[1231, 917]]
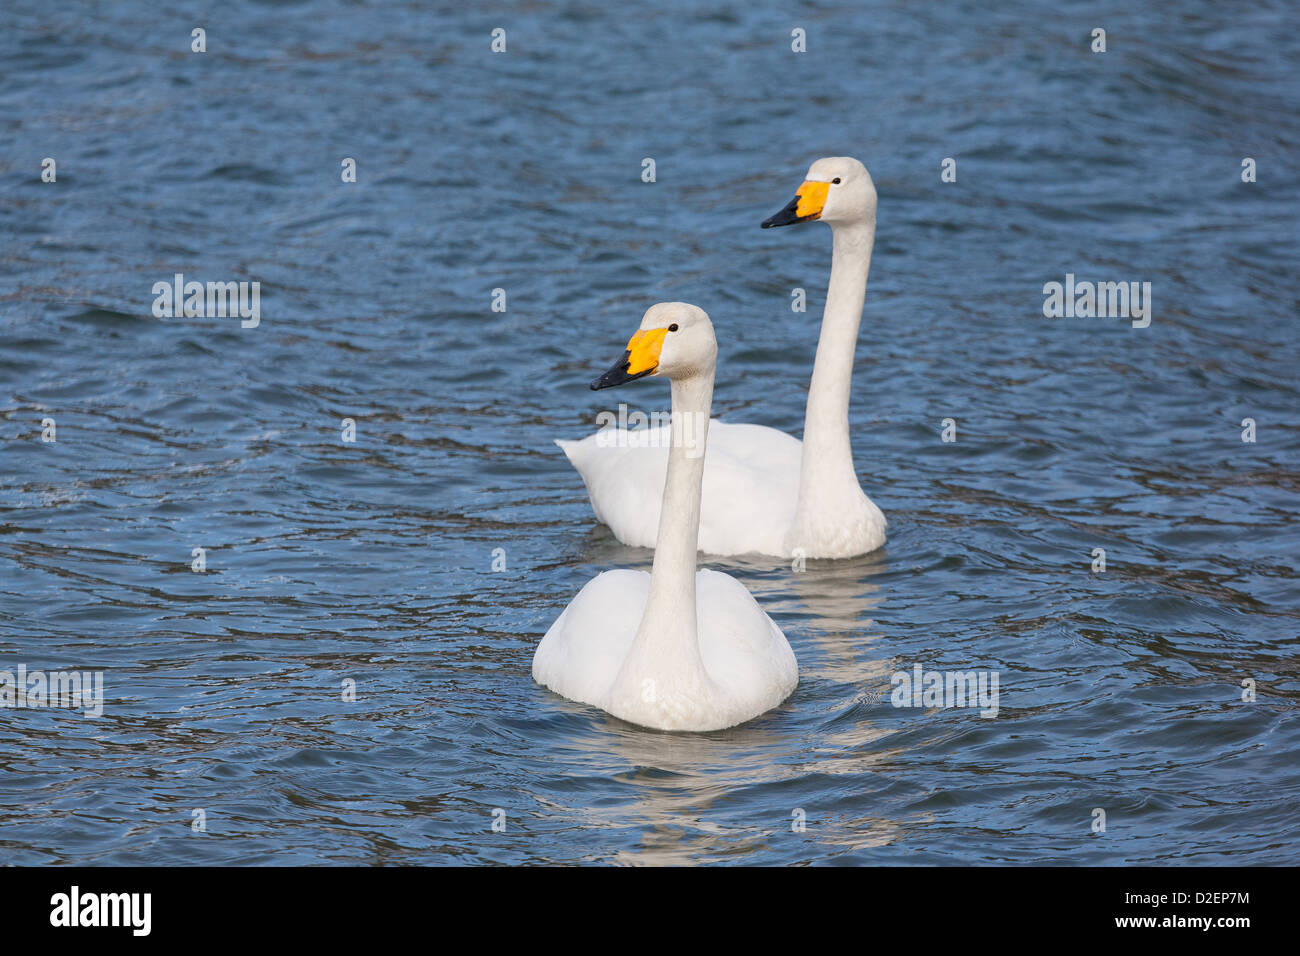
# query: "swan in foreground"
[[675, 649], [765, 491]]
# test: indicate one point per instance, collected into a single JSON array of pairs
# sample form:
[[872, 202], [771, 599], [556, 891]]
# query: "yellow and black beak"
[[640, 359], [807, 204]]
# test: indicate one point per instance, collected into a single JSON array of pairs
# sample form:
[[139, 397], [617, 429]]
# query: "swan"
[[675, 649], [765, 491]]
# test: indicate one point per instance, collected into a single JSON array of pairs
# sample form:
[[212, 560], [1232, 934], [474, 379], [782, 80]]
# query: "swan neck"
[[827, 453], [669, 621]]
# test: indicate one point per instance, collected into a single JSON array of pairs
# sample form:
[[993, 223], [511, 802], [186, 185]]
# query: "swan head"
[[837, 189], [675, 340]]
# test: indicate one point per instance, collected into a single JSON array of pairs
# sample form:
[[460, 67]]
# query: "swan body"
[[675, 649], [764, 491], [747, 664], [751, 483]]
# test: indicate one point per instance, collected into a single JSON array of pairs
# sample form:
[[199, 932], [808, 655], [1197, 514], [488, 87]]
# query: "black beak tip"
[[616, 375], [785, 217]]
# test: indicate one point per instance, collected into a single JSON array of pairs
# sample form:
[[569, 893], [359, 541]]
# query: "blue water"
[[372, 561]]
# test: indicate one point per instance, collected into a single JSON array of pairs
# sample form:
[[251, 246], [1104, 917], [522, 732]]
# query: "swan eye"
[[673, 327], [835, 181]]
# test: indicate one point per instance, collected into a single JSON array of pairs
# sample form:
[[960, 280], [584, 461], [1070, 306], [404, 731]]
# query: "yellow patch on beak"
[[812, 197], [643, 350]]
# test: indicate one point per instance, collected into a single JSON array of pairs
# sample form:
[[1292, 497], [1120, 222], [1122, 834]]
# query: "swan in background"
[[765, 491], [675, 649]]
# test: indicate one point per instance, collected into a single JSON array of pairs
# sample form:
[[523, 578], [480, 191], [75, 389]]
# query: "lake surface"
[[372, 561]]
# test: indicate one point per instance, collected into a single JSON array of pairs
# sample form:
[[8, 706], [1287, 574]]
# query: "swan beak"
[[806, 204], [640, 359]]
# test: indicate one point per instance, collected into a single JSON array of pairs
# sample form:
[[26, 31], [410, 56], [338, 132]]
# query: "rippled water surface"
[[372, 561]]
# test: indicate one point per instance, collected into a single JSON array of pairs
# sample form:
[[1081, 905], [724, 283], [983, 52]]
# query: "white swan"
[[674, 649], [765, 491]]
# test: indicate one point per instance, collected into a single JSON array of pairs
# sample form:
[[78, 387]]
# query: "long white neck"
[[668, 634], [826, 470]]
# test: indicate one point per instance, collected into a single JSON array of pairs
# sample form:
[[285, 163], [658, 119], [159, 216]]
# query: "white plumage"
[[751, 484], [764, 491], [675, 649], [748, 665]]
